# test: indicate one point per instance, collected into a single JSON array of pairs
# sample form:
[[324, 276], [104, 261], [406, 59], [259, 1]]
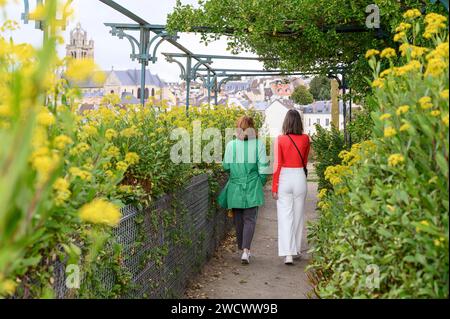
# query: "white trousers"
[[292, 191]]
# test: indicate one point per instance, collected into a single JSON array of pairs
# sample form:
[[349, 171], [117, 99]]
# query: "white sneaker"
[[245, 259], [288, 260]]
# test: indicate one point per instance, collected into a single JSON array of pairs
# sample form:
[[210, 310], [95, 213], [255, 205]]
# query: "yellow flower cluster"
[[80, 148], [388, 53], [395, 159], [413, 65], [405, 127], [402, 109], [371, 52], [414, 51], [434, 23], [399, 36], [44, 162], [322, 193], [131, 158], [100, 211], [7, 286], [61, 141], [412, 14], [385, 116], [45, 118], [445, 120], [110, 134], [425, 102], [378, 83], [80, 69], [122, 166], [389, 131], [444, 94], [334, 174], [61, 186], [113, 152], [129, 132], [77, 172]]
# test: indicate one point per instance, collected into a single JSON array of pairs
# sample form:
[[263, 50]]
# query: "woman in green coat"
[[245, 160]]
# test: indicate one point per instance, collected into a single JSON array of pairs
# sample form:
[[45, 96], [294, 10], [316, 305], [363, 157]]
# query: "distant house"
[[275, 114], [319, 113]]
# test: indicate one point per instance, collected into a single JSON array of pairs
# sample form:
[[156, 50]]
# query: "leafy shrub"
[[383, 228], [326, 144]]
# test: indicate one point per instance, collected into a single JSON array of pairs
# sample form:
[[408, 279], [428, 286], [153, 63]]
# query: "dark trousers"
[[245, 222]]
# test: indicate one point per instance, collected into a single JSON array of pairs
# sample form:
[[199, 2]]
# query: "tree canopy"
[[320, 88], [299, 34], [302, 96]]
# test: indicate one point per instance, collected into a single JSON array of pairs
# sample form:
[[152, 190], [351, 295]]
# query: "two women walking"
[[245, 160]]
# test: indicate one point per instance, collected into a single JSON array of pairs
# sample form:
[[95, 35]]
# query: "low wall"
[[162, 246]]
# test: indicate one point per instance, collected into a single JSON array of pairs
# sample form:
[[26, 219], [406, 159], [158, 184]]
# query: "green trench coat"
[[248, 167]]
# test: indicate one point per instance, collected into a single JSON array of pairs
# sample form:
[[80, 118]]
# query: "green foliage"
[[320, 88], [383, 230], [302, 96], [327, 144], [300, 33]]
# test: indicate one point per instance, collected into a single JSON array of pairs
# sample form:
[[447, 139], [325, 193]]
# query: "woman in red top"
[[289, 185]]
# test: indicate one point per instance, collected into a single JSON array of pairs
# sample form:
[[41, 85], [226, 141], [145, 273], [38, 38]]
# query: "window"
[[112, 91], [146, 93], [318, 121], [309, 122], [327, 122], [153, 91]]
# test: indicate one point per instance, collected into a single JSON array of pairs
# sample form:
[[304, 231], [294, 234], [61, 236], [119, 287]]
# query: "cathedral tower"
[[80, 47]]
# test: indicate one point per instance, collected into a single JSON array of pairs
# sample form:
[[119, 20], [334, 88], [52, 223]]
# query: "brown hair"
[[245, 128], [292, 123]]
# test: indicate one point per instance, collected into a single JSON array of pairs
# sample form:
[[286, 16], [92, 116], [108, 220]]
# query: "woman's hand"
[[275, 196]]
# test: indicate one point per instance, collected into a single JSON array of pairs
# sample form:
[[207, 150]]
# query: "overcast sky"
[[113, 52]]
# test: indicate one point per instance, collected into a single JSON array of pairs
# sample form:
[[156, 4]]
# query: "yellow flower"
[[405, 127], [378, 83], [389, 132], [415, 51], [437, 243], [46, 118], [61, 141], [385, 116], [129, 132], [385, 72], [403, 26], [87, 131], [425, 102], [109, 173], [79, 149], [113, 151], [411, 14], [399, 36], [7, 287], [402, 109], [322, 193], [44, 163], [434, 22], [435, 113], [61, 186], [372, 52], [132, 158], [388, 53], [121, 166], [110, 134], [425, 223], [436, 67], [395, 159], [80, 69], [413, 65], [100, 211], [83, 175], [444, 94], [445, 120]]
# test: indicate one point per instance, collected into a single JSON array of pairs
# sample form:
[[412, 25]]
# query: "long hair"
[[292, 123], [245, 128]]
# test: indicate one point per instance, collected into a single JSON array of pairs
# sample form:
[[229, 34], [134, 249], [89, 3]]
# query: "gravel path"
[[267, 277]]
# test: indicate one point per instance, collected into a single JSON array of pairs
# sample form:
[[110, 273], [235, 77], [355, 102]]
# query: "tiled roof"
[[133, 77]]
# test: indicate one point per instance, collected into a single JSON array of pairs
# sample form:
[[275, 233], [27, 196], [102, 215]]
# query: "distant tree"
[[320, 88], [302, 96]]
